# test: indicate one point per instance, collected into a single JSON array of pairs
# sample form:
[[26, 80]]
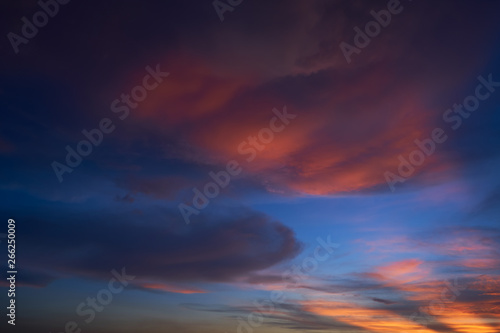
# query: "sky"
[[251, 166]]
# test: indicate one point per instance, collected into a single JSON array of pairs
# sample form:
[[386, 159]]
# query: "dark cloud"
[[383, 301], [155, 247]]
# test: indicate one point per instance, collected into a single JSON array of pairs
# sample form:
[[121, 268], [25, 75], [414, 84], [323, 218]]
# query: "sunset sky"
[[232, 166]]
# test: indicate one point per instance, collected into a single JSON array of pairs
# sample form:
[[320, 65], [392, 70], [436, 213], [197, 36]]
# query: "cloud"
[[370, 319], [157, 248], [383, 301], [354, 120], [402, 271]]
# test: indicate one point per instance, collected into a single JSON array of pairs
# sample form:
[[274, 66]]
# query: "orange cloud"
[[191, 93], [461, 318], [402, 271], [343, 143], [354, 121], [373, 320]]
